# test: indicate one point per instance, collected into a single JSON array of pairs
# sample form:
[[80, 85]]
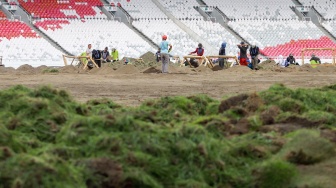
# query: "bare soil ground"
[[131, 85]]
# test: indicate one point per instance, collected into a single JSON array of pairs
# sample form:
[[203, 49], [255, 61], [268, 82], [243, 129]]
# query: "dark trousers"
[[222, 63], [98, 62]]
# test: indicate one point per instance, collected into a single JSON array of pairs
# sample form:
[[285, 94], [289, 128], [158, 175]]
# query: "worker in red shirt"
[[199, 52]]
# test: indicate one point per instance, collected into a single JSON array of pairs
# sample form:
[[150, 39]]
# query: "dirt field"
[[131, 84]]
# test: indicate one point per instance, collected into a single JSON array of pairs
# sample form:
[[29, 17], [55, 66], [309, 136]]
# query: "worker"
[[115, 55], [199, 52], [314, 61], [222, 61], [165, 48], [243, 53], [254, 52]]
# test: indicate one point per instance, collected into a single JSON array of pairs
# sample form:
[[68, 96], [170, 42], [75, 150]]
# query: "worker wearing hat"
[[290, 59], [199, 52], [165, 48], [314, 61], [254, 52]]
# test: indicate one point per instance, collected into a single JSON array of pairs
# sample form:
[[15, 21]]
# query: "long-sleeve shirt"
[[199, 51]]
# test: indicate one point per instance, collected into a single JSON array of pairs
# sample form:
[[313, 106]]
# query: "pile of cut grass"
[[47, 139]]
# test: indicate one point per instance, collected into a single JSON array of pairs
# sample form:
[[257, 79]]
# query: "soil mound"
[[147, 60], [307, 68], [326, 68], [69, 69], [291, 68], [148, 57], [25, 67], [267, 65], [152, 70], [6, 70], [41, 68], [127, 69]]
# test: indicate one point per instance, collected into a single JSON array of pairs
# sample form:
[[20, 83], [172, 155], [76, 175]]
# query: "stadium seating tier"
[[16, 39], [63, 9]]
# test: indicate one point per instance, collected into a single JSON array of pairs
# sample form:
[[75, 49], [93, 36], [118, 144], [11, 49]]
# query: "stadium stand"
[[181, 41], [327, 8], [144, 9], [261, 9], [151, 21], [182, 9], [213, 33], [295, 47], [74, 35], [330, 26], [267, 33], [63, 8], [16, 39], [282, 37]]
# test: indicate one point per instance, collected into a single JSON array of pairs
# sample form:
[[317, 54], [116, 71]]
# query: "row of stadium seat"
[[295, 47], [11, 29], [142, 9], [154, 29], [70, 9], [213, 33], [269, 9], [266, 33], [75, 35], [16, 39]]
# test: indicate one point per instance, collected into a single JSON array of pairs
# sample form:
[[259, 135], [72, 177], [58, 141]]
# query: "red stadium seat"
[[54, 8], [295, 47], [11, 29]]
